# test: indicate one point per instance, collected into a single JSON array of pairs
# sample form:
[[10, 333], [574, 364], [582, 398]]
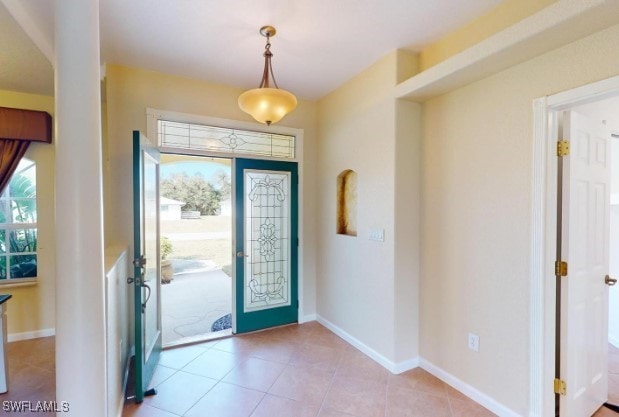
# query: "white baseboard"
[[471, 392], [397, 368], [307, 318], [613, 341], [393, 367], [404, 366], [14, 337]]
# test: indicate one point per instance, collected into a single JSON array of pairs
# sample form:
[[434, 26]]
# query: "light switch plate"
[[377, 235]]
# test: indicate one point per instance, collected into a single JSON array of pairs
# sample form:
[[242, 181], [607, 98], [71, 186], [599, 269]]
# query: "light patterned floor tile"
[[306, 370], [255, 374], [357, 396], [226, 400], [274, 406], [214, 363], [180, 392], [302, 384]]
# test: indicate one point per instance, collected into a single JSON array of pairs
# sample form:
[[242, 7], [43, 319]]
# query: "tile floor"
[[291, 371], [32, 372], [303, 370]]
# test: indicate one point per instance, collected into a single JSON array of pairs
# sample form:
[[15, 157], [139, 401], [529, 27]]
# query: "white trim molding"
[[538, 244], [393, 367], [15, 337], [416, 362], [307, 318], [471, 392]]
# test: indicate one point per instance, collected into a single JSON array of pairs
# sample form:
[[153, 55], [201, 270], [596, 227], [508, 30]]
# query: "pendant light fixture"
[[267, 103]]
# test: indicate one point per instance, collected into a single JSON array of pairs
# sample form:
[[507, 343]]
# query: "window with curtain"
[[18, 226]]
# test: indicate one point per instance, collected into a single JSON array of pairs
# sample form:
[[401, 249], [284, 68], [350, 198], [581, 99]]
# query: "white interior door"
[[585, 246]]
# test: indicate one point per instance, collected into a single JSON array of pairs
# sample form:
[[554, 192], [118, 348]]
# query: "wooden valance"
[[30, 125]]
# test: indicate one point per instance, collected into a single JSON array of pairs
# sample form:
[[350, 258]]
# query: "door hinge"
[[561, 268], [563, 148], [560, 387]]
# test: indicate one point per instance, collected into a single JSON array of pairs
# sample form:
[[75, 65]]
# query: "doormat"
[[222, 323], [612, 407]]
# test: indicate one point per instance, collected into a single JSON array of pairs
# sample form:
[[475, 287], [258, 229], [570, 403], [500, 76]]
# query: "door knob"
[[609, 281], [240, 254]]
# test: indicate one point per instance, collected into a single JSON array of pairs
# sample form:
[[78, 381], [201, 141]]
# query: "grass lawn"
[[185, 247], [201, 225]]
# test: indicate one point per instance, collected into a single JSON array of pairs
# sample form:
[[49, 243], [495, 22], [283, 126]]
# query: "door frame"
[[276, 315], [543, 244], [153, 115]]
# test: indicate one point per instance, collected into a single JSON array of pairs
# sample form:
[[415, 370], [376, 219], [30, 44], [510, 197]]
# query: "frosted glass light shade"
[[267, 105]]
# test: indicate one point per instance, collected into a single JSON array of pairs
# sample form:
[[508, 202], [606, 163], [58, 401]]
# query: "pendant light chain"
[[268, 68]]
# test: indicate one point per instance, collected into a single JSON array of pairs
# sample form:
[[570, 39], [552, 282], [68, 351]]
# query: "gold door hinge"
[[561, 269], [560, 387], [563, 148]]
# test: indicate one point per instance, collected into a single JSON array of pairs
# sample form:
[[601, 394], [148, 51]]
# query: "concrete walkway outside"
[[199, 294]]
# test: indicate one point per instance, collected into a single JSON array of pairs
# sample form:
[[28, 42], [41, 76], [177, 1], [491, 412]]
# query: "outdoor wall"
[[477, 156], [357, 280], [31, 310], [130, 91]]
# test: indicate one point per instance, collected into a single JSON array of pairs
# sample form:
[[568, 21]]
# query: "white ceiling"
[[320, 44]]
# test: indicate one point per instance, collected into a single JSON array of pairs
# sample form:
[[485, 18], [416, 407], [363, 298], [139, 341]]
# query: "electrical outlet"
[[474, 342]]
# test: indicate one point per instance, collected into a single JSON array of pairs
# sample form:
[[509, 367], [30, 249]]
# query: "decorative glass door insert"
[[266, 244], [267, 237]]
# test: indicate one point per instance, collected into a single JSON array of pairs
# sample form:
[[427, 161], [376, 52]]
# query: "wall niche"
[[347, 203]]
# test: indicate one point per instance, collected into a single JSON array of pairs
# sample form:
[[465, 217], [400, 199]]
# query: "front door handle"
[[147, 297], [609, 281], [240, 254]]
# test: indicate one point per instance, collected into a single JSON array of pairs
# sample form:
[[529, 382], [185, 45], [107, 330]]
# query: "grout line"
[[264, 394], [322, 404], [162, 409], [200, 399]]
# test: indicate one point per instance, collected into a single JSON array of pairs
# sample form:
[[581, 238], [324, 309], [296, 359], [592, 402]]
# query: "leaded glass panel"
[[267, 239], [224, 140]]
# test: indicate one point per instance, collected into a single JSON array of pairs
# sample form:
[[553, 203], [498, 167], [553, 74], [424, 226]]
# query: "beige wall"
[[357, 280], [130, 91], [506, 14], [407, 242], [476, 215], [32, 308]]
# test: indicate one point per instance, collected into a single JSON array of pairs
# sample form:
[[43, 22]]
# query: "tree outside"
[[197, 192], [18, 245], [209, 237]]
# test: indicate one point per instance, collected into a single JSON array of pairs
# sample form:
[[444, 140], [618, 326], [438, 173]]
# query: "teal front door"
[[147, 271], [266, 244]]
